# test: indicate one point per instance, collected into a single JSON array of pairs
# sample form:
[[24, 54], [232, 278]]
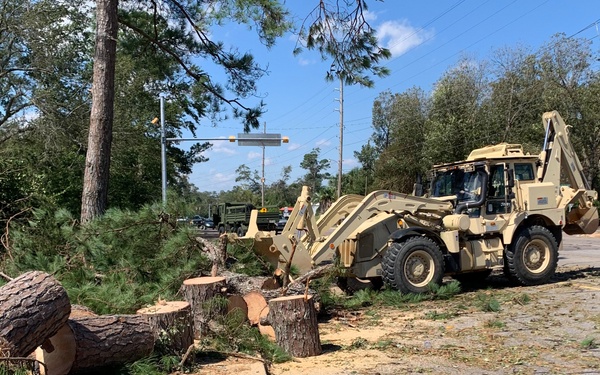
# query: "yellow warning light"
[[155, 120], [232, 138], [331, 246], [400, 223], [285, 139], [263, 209]]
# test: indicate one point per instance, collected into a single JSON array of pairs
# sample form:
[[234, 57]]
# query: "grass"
[[487, 303], [495, 323], [589, 343], [435, 315]]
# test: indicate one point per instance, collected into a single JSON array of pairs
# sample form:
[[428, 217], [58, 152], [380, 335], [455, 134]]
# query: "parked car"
[[209, 224], [197, 221]]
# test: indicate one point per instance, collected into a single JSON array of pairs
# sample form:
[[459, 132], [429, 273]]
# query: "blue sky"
[[425, 37]]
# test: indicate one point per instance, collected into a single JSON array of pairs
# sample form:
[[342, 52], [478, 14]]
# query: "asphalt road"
[[580, 251]]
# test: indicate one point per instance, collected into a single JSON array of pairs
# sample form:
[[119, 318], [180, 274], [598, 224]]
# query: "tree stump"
[[294, 320], [89, 344], [256, 302], [33, 307], [206, 296], [172, 325]]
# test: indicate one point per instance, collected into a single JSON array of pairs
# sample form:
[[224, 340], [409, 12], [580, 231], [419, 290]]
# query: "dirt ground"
[[547, 329], [494, 328]]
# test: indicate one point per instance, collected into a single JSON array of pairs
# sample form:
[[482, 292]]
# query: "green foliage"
[[316, 170], [487, 302], [341, 32], [435, 315], [247, 261], [589, 343], [495, 323], [236, 335], [115, 264]]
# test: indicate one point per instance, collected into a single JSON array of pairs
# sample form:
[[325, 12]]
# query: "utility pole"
[[339, 182]]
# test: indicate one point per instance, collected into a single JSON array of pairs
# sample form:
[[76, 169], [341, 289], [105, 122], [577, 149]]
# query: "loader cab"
[[463, 184]]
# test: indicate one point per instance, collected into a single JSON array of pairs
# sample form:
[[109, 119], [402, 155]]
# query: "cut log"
[[266, 330], [33, 308], [256, 303], [294, 320], [237, 305], [203, 294], [172, 325], [89, 344]]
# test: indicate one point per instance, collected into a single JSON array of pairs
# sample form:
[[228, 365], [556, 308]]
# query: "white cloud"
[[293, 146], [305, 62], [323, 142], [369, 16], [254, 155], [350, 163], [400, 36], [220, 147]]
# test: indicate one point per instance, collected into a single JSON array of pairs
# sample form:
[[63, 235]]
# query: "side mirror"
[[510, 175]]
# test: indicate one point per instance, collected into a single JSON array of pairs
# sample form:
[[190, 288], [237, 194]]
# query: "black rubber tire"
[[351, 285], [240, 231], [532, 257], [410, 266], [221, 229]]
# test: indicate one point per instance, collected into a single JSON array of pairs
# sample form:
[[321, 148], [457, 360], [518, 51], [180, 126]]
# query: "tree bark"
[[33, 307], [94, 198], [172, 325], [202, 294], [294, 320], [89, 344]]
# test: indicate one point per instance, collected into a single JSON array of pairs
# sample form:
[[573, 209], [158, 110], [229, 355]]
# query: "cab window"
[[524, 172]]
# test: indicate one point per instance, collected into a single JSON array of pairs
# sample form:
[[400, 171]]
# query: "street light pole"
[[163, 149]]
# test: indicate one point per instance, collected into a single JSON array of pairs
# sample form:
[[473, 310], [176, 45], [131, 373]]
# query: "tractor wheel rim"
[[536, 256], [419, 268]]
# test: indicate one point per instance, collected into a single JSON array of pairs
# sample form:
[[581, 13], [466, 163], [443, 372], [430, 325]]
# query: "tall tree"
[[186, 34], [455, 127], [402, 163], [97, 165], [316, 170]]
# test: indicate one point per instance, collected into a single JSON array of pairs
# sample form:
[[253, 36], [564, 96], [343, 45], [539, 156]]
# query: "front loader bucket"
[[582, 221], [279, 249]]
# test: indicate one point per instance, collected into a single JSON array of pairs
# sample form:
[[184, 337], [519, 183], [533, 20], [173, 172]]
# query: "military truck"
[[500, 209], [235, 218]]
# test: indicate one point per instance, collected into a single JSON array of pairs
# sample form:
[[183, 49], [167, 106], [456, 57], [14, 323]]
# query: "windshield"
[[466, 186]]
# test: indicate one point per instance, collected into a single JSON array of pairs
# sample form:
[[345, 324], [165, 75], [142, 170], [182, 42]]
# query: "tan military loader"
[[498, 209]]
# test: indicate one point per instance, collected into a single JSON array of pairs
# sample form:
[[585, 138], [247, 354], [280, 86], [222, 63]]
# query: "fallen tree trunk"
[[294, 320], [89, 344], [33, 307], [172, 324]]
